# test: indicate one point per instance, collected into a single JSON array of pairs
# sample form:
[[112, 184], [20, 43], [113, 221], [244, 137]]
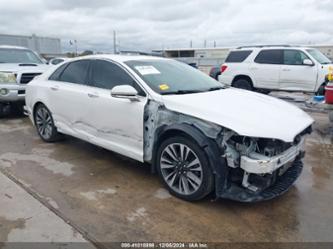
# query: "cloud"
[[151, 24]]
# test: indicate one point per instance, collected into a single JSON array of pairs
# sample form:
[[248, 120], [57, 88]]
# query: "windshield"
[[172, 77], [19, 56], [321, 58]]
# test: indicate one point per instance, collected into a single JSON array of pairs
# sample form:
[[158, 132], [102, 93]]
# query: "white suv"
[[285, 68]]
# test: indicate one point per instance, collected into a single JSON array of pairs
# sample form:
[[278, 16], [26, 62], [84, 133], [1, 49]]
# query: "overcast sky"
[[154, 24]]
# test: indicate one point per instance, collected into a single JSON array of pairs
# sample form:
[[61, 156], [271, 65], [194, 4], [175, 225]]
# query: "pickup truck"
[[18, 66]]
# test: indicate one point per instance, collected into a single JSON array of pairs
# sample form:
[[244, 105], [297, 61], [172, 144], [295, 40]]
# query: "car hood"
[[247, 113], [22, 68]]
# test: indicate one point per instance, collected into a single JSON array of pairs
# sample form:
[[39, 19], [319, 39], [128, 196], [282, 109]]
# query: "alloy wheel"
[[181, 168], [44, 122]]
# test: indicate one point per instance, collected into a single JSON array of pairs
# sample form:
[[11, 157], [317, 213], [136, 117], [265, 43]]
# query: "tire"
[[243, 84], [188, 177], [17, 108], [4, 110], [45, 124], [321, 90]]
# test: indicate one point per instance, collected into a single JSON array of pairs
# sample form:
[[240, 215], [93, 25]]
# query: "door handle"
[[286, 70], [54, 88], [92, 95]]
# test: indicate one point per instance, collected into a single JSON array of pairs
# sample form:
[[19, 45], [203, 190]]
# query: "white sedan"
[[200, 137]]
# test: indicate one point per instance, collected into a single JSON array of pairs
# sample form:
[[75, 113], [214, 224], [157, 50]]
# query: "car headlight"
[[6, 77]]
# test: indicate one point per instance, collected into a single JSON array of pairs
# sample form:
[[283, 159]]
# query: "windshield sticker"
[[164, 87], [145, 70]]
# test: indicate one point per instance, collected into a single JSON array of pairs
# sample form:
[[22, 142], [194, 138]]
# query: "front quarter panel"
[[37, 92]]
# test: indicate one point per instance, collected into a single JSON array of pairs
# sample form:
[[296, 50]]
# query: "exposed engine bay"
[[257, 161], [256, 148]]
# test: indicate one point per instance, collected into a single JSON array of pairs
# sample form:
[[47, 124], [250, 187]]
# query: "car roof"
[[261, 47], [120, 58]]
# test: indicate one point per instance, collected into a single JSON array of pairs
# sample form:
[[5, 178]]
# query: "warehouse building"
[[46, 46]]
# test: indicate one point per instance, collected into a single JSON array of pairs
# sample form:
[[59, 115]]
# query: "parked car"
[[215, 72], [18, 66], [268, 68], [198, 136], [57, 60], [193, 65]]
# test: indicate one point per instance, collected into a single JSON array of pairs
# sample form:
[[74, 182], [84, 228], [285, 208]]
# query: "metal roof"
[[12, 47]]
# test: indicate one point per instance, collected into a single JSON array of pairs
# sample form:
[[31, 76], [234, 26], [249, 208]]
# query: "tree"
[[87, 52]]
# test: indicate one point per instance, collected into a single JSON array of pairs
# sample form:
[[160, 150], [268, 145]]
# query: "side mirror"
[[308, 62], [125, 92]]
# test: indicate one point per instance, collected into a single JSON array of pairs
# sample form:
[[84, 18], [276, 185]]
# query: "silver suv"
[[18, 66]]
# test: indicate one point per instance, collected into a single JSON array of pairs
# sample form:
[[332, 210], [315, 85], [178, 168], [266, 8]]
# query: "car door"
[[69, 96], [294, 74], [114, 123], [266, 69]]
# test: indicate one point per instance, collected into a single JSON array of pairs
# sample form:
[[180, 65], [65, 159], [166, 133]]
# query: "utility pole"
[[205, 43], [71, 43], [191, 44], [114, 42], [214, 44], [75, 41]]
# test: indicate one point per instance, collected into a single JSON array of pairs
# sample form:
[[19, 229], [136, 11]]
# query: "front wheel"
[[4, 110], [184, 169], [45, 125]]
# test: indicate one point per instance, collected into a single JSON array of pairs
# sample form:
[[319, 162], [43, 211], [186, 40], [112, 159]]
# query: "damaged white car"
[[199, 137]]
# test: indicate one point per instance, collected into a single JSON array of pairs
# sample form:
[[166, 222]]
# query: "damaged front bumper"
[[261, 178], [258, 164], [278, 185]]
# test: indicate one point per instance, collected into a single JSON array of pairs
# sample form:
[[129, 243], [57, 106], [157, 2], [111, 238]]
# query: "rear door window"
[[238, 56], [76, 72], [270, 56]]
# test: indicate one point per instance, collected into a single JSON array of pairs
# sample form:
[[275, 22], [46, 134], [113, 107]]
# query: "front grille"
[[27, 77]]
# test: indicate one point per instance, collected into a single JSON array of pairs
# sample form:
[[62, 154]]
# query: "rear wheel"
[[321, 90], [45, 125], [243, 84], [184, 169]]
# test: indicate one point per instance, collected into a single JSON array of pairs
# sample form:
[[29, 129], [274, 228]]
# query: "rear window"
[[238, 56], [274, 56]]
